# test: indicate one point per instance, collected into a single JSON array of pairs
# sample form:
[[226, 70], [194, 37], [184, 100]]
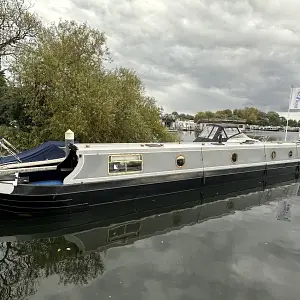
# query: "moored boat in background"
[[219, 133]]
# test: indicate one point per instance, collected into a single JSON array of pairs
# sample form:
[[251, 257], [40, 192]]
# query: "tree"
[[262, 119], [239, 113], [274, 118], [209, 115], [12, 110], [65, 85], [3, 85], [282, 121], [16, 24], [227, 113], [220, 114], [293, 123], [199, 116], [252, 115], [183, 117]]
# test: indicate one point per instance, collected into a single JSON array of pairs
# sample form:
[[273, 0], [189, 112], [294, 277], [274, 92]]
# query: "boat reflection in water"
[[77, 254]]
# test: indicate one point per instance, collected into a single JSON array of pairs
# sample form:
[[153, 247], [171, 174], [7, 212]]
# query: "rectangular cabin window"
[[125, 164]]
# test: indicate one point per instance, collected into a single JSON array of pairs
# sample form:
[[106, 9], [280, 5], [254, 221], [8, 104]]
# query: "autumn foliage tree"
[[16, 24], [64, 83]]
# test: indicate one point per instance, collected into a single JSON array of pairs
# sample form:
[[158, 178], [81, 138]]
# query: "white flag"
[[295, 99]]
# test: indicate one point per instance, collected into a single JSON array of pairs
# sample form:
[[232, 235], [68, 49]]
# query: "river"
[[250, 254]]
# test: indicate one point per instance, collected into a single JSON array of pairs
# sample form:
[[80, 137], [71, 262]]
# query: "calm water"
[[250, 254]]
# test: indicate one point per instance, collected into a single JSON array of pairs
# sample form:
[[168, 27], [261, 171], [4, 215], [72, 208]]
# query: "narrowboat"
[[137, 177]]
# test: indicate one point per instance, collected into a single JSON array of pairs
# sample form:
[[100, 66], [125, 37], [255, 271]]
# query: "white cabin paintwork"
[[200, 157], [7, 187]]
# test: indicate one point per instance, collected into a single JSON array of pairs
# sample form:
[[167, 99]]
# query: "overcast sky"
[[199, 55]]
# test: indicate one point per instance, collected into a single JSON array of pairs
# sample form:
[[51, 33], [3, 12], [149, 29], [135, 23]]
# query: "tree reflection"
[[23, 264]]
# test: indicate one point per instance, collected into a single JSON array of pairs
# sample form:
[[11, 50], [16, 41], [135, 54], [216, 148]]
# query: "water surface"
[[246, 255]]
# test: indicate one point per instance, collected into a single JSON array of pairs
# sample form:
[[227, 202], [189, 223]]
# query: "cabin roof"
[[140, 147], [134, 146], [225, 125]]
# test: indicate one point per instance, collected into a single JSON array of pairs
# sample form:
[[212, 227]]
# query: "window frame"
[[206, 128], [126, 160]]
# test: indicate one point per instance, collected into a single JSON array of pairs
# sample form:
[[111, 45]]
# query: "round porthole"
[[234, 157], [180, 161], [291, 153], [273, 154]]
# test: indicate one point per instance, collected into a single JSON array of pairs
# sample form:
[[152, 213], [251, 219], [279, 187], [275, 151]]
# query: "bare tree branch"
[[17, 24]]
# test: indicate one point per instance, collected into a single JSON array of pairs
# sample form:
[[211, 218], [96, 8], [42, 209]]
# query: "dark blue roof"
[[47, 150]]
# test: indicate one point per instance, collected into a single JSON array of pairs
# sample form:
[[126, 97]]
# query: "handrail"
[[12, 150], [25, 170], [31, 164]]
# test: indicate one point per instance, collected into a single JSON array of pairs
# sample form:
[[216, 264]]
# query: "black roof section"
[[225, 125]]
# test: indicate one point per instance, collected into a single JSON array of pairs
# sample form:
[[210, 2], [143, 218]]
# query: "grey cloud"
[[201, 55]]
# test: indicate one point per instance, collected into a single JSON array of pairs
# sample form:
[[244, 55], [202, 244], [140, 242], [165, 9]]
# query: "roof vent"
[[154, 145]]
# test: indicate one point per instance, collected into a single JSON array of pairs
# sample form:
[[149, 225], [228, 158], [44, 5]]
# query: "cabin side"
[[109, 163], [115, 163]]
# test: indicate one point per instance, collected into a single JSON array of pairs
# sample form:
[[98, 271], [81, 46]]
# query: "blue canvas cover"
[[47, 150]]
